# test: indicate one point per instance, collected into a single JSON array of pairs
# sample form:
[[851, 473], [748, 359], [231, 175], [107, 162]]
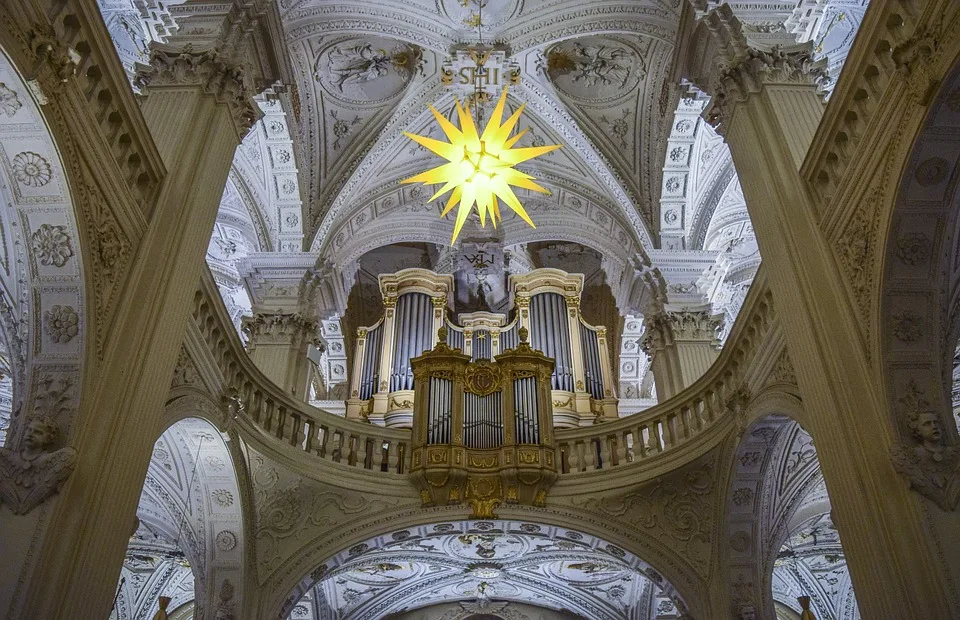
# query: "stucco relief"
[[36, 471], [42, 305], [290, 510], [930, 464], [362, 70], [678, 509]]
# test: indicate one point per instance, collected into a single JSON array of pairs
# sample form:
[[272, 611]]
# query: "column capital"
[[287, 328], [752, 69], [669, 327], [208, 69]]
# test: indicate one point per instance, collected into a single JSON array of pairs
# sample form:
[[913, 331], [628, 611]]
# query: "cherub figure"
[[930, 464], [36, 471]]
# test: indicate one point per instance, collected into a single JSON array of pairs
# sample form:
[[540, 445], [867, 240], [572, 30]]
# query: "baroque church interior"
[[262, 354]]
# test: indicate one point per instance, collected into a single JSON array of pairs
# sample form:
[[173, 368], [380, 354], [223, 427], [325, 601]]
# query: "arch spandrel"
[[301, 524]]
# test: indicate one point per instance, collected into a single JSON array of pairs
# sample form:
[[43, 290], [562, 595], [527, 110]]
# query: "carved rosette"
[[209, 69], [749, 74], [280, 328], [664, 329]]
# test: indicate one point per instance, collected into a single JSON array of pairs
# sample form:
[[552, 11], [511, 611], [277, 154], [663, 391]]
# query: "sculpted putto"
[[33, 473], [930, 464]]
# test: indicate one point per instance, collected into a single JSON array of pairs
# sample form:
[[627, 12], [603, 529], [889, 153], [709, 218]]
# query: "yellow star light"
[[479, 168]]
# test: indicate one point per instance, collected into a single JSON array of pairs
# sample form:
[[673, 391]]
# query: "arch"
[[44, 314], [775, 498], [490, 562], [191, 526], [302, 527], [919, 315]]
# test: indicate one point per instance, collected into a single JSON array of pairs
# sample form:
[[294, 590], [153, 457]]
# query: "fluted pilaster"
[[682, 345]]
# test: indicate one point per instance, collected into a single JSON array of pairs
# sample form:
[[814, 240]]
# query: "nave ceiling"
[[360, 86]]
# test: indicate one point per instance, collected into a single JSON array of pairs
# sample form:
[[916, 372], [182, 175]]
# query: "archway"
[[781, 542], [188, 542], [42, 304], [484, 567], [920, 305]]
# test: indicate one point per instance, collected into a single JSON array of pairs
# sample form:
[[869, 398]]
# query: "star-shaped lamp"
[[479, 168]]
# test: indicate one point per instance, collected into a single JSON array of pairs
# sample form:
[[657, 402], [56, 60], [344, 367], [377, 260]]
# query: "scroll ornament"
[[34, 473]]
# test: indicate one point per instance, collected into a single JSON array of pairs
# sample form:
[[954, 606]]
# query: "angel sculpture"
[[931, 466], [35, 472]]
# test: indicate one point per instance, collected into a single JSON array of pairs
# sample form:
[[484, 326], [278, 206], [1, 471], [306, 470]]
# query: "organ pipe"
[[508, 337], [481, 345], [454, 337], [593, 372], [369, 377], [412, 336], [546, 303], [551, 334]]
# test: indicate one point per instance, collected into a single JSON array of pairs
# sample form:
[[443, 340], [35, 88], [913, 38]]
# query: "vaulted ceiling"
[[594, 77], [478, 562]]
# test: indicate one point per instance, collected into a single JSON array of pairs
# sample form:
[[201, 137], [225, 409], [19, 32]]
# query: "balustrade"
[[252, 398], [629, 441]]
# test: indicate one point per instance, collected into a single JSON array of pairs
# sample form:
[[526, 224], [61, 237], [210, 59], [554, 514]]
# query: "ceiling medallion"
[[479, 168]]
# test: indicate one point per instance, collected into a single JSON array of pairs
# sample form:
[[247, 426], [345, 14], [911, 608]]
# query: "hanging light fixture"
[[480, 165]]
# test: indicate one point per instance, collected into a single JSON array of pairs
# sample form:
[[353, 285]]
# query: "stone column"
[[682, 345], [288, 295], [277, 344], [768, 107], [197, 106]]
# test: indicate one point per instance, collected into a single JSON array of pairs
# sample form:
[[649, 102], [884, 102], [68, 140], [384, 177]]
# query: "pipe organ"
[[545, 301], [481, 427]]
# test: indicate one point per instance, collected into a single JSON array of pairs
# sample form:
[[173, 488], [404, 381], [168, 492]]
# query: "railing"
[[659, 430], [670, 425], [866, 75], [280, 417], [78, 27]]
